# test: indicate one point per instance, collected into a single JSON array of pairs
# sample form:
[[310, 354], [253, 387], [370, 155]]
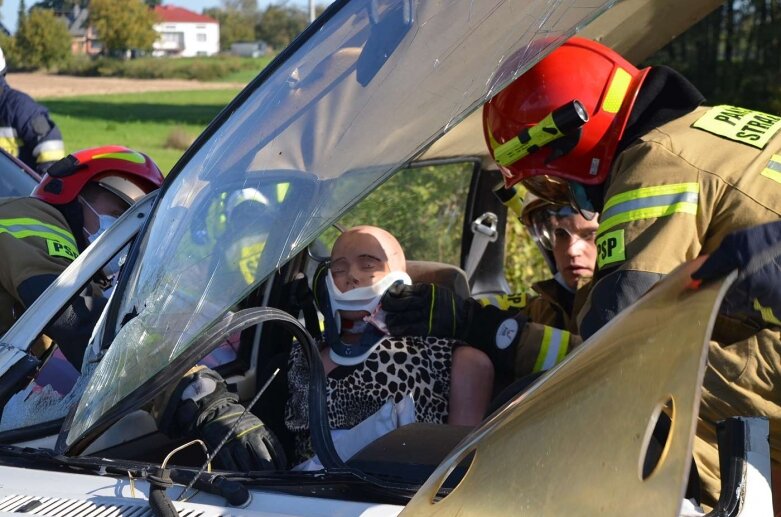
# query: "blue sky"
[[10, 7]]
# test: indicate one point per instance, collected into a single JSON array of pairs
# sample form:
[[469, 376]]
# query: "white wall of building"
[[187, 39]]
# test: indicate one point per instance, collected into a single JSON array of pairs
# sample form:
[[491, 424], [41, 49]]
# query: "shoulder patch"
[[41, 125], [610, 248], [58, 248], [749, 127]]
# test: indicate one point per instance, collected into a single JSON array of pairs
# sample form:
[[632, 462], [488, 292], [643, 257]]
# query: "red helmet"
[[603, 82], [124, 172]]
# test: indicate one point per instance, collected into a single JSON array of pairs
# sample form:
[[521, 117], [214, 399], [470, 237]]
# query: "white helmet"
[[2, 62]]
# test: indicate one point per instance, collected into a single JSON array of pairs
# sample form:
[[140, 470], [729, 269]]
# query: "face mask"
[[104, 223]]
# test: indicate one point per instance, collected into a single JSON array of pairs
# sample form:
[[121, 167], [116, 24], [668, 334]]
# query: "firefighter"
[[42, 234], [566, 240], [26, 130], [670, 178]]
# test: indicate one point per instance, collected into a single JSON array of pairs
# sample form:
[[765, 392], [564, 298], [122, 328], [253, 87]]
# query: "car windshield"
[[371, 84]]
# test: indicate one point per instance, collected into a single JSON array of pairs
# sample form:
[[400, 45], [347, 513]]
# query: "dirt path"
[[39, 85]]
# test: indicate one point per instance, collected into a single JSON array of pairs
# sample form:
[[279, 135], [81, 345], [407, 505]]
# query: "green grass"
[[139, 121], [245, 76]]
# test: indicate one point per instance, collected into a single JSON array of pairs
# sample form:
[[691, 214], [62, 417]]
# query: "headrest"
[[439, 273]]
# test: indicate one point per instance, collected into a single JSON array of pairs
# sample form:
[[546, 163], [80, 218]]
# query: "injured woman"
[[374, 379]]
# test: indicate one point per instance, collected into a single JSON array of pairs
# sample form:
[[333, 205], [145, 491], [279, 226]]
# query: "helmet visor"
[[549, 188]]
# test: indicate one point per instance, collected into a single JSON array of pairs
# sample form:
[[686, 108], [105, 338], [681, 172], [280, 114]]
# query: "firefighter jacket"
[[26, 131], [551, 331], [673, 195], [35, 240]]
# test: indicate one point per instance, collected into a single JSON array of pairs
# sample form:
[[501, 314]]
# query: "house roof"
[[174, 14]]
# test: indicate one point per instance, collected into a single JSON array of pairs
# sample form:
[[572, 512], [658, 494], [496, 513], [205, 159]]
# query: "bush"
[[200, 68], [42, 41], [178, 138]]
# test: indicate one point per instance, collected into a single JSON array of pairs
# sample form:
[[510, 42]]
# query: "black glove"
[[756, 253], [205, 409], [431, 310], [424, 310]]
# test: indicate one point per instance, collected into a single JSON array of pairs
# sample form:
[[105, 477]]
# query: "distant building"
[[84, 40], [249, 48], [185, 33]]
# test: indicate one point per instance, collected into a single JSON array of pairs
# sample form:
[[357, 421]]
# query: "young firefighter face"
[[574, 250]]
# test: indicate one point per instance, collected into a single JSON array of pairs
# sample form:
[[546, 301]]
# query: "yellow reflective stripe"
[[50, 156], [564, 346], [128, 156], [647, 213], [766, 312], [555, 343], [656, 190], [617, 91], [282, 189], [546, 337], [773, 169], [34, 227], [504, 301], [10, 145]]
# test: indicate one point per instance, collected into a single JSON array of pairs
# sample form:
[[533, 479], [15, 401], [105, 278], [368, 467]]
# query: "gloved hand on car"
[[432, 310], [202, 407], [756, 253]]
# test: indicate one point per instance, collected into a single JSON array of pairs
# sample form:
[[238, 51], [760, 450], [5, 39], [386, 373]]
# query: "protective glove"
[[424, 310], [756, 253], [432, 310], [207, 410]]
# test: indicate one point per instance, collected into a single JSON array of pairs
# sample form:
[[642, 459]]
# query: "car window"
[[14, 181], [422, 206]]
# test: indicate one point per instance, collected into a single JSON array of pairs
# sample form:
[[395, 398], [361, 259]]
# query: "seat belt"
[[483, 232]]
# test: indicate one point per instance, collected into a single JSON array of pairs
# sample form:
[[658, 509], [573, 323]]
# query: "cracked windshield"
[[378, 83]]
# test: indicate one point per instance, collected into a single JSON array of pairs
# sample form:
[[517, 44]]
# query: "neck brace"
[[360, 299]]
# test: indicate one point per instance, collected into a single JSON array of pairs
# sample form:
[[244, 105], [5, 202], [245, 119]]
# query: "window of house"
[[200, 37]]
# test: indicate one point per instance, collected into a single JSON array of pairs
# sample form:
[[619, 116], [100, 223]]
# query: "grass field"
[[140, 121]]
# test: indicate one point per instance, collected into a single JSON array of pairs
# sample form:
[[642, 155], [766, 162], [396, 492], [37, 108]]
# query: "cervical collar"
[[359, 299]]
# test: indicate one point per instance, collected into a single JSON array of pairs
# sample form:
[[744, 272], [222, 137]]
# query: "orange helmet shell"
[[127, 173], [603, 81]]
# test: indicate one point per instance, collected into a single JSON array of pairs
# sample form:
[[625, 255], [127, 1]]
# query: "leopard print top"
[[419, 366]]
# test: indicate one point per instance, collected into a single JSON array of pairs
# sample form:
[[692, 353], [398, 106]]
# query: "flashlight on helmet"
[[559, 123]]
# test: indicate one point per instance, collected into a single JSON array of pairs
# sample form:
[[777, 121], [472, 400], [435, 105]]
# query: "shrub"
[[178, 138], [200, 68], [42, 41]]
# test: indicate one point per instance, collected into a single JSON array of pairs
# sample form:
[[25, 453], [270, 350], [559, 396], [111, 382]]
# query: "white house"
[[185, 33]]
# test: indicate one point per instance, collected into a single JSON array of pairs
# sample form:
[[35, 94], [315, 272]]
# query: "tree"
[[153, 3], [42, 40], [60, 6], [21, 14], [123, 25], [279, 24], [237, 21]]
